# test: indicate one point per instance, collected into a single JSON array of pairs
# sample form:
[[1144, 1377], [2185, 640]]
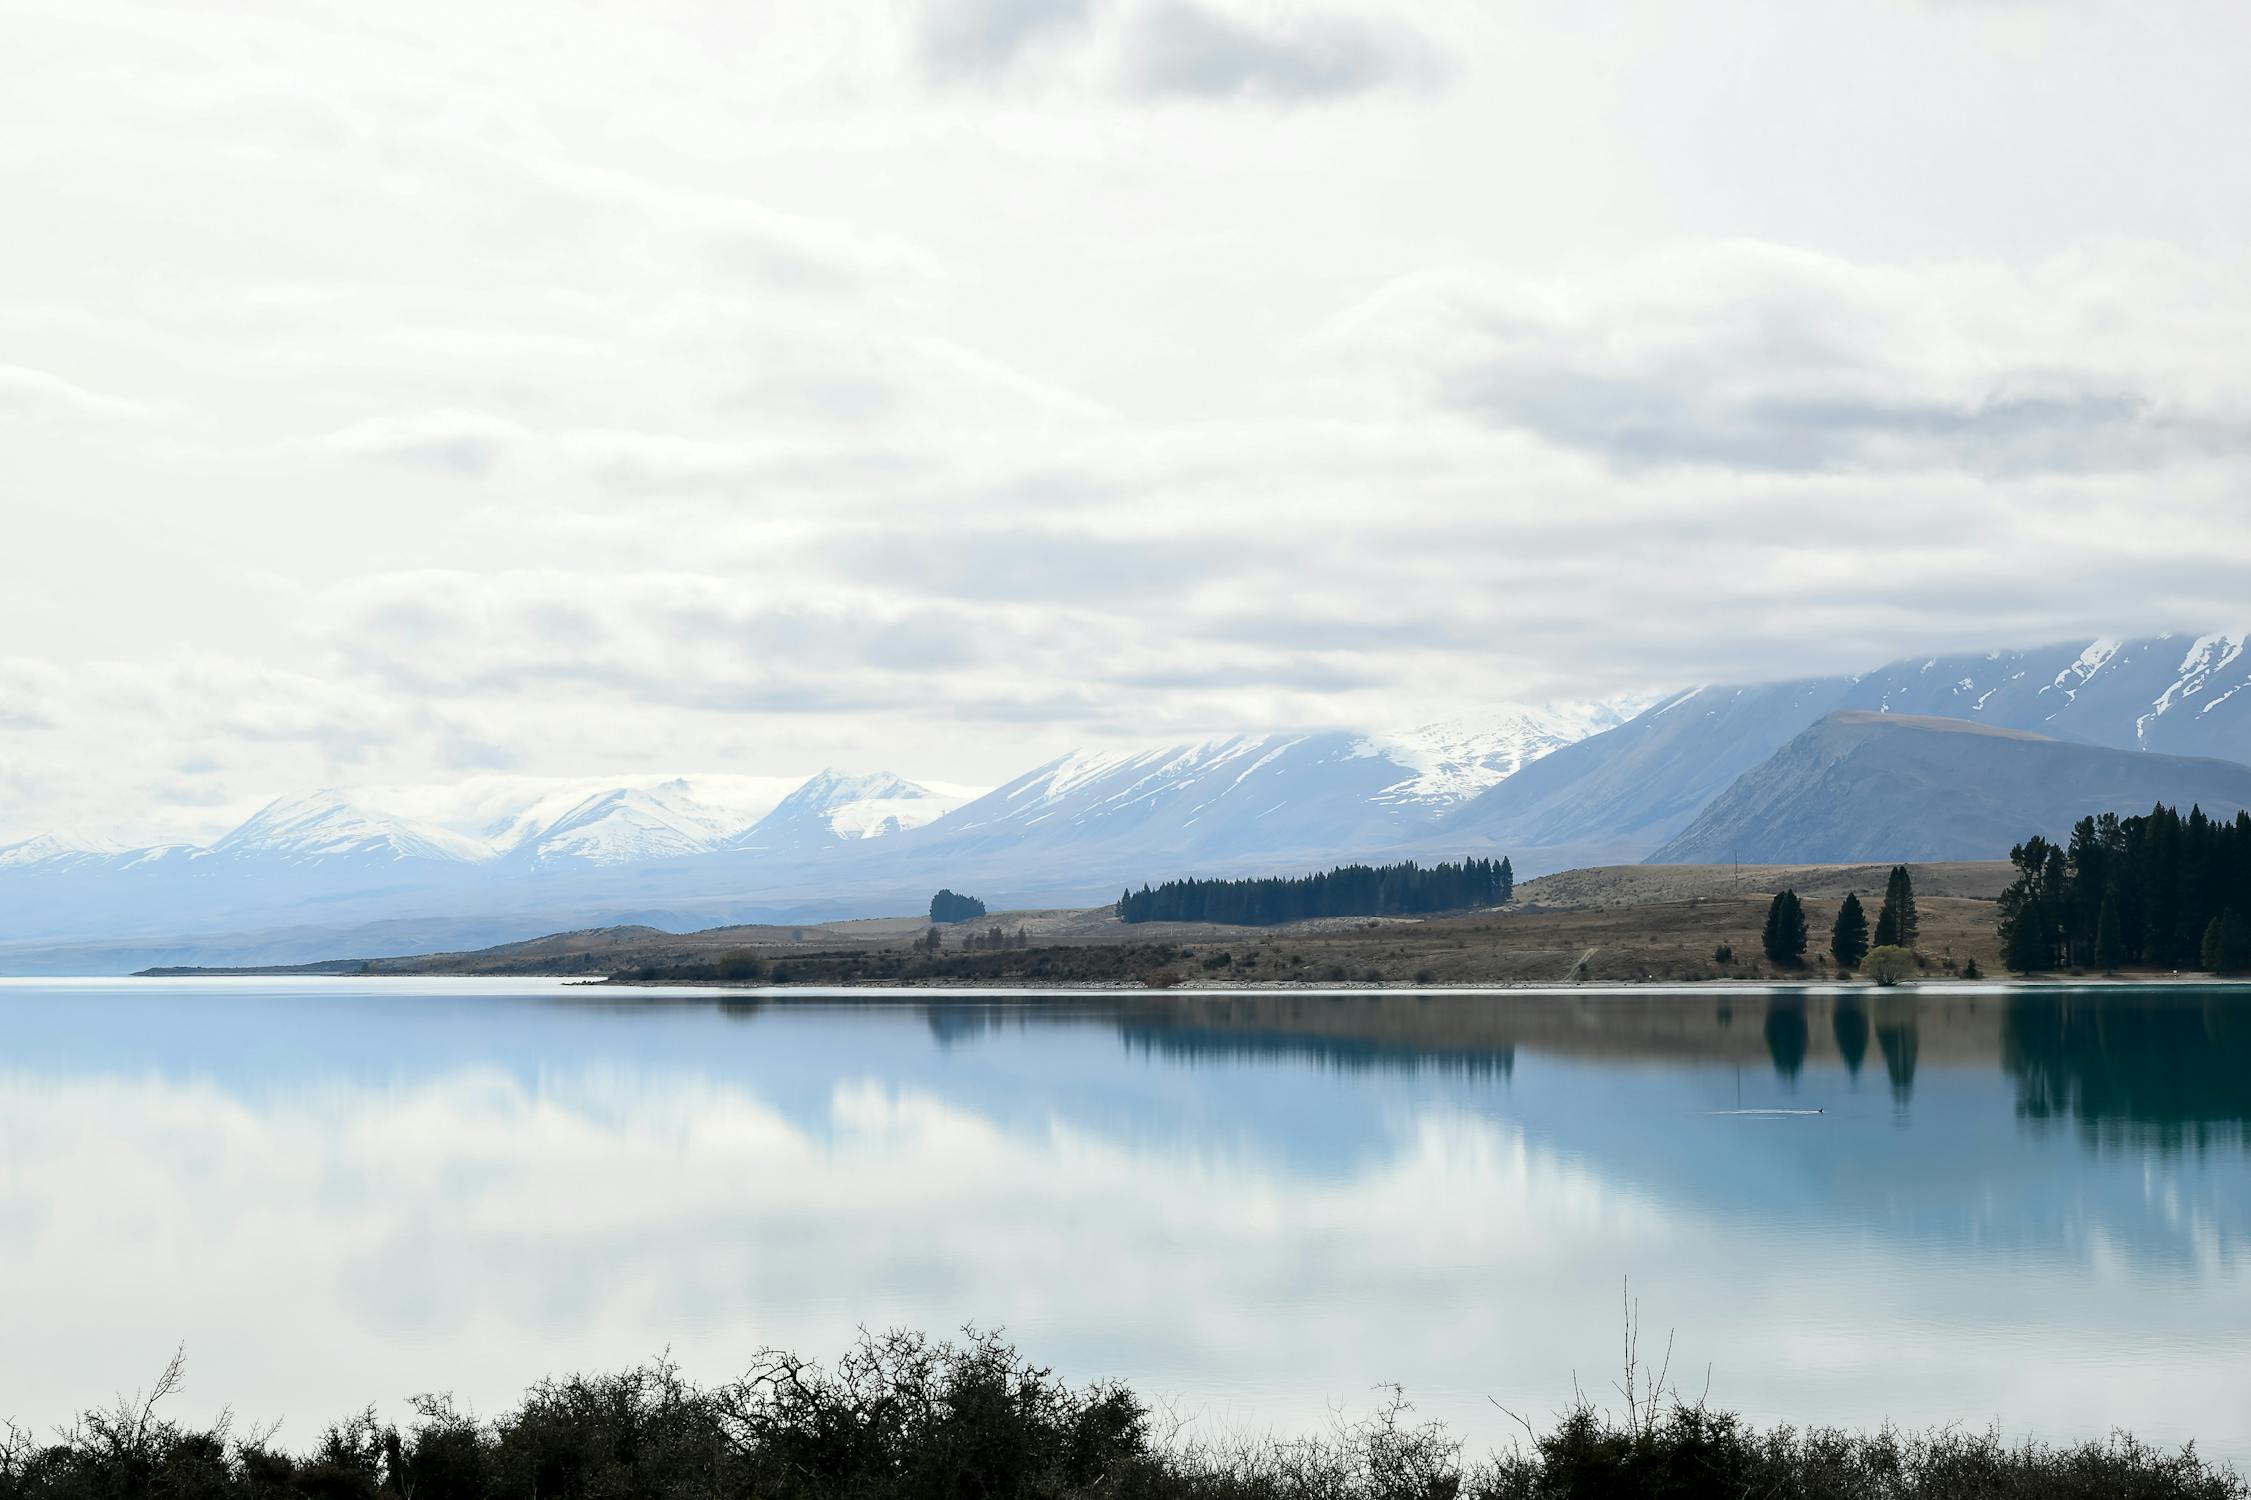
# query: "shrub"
[[1889, 964], [905, 1416]]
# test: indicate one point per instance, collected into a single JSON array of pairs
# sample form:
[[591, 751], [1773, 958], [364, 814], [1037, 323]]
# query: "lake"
[[2032, 1208]]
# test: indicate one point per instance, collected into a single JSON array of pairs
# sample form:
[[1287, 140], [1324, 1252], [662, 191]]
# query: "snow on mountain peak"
[[59, 844], [328, 824], [834, 806], [1454, 760]]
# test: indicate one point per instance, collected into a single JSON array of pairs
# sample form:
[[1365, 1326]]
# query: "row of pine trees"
[[1347, 891], [2158, 890], [1850, 940]]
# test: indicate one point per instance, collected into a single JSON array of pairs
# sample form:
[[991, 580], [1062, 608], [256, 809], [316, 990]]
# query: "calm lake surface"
[[2031, 1208]]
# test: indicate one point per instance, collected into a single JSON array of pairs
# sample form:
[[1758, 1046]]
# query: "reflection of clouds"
[[324, 1242], [339, 1193]]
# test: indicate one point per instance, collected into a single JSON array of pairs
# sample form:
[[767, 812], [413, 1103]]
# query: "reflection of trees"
[[1896, 1027], [1343, 1054], [2169, 1069], [1850, 1022], [951, 1025], [1786, 1033]]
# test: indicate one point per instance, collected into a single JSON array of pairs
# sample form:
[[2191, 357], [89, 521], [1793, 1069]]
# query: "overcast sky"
[[397, 393]]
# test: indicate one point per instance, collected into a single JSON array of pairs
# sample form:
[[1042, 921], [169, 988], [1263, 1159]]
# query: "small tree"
[[1889, 964], [1848, 938], [1785, 933]]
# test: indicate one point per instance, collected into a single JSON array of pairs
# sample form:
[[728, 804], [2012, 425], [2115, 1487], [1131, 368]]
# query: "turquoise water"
[[2028, 1208]]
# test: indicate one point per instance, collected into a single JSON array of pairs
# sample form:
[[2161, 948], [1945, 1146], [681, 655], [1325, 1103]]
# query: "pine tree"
[[1897, 924], [2032, 908], [2227, 945], [1785, 934], [1910, 922], [1507, 882], [1848, 938], [2110, 943]]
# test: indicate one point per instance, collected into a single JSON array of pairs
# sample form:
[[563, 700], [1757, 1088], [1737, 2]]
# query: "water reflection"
[[1263, 1202], [1786, 1034], [2165, 1070], [1897, 1037], [1849, 1024]]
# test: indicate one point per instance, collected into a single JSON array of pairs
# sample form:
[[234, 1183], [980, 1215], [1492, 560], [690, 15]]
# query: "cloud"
[[986, 562], [1178, 49], [980, 38], [36, 391], [466, 443], [1763, 358], [1185, 49], [993, 379]]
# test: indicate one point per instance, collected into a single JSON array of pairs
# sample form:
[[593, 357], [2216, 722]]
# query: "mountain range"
[[1907, 788], [1692, 775]]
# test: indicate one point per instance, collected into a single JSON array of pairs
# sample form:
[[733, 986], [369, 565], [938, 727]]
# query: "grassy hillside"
[[1612, 924]]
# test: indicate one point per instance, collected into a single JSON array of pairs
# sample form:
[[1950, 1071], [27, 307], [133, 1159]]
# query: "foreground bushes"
[[903, 1416]]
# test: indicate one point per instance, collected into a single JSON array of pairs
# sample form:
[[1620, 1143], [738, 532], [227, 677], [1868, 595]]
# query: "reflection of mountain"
[[2168, 1069]]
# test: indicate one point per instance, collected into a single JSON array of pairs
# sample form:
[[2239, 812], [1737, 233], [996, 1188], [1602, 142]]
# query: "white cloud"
[[1760, 357], [39, 391], [743, 388], [1183, 48]]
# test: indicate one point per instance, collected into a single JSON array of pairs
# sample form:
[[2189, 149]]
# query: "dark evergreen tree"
[[2033, 907], [1897, 925], [1910, 921], [2110, 942], [1785, 934], [1505, 883], [2156, 881], [1848, 937], [947, 907], [2227, 945], [1347, 891]]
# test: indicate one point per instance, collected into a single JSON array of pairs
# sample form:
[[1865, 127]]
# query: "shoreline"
[[1729, 986]]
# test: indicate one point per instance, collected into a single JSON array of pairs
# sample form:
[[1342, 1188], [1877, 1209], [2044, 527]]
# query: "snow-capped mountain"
[[835, 807], [329, 825], [59, 849], [499, 856], [1456, 759], [2180, 695], [617, 825], [1219, 803], [550, 822], [1621, 794]]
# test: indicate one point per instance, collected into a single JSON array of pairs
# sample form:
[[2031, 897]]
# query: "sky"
[[404, 394]]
